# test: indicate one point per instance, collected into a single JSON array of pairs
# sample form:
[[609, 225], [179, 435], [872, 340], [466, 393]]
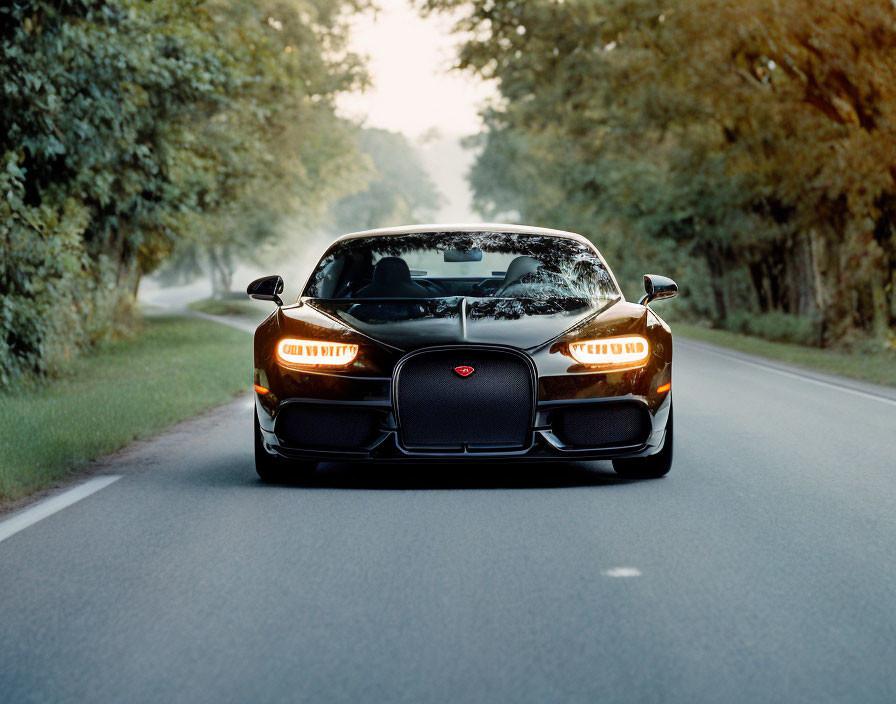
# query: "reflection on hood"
[[385, 311]]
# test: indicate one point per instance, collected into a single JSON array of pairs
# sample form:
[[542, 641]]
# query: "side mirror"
[[658, 287], [267, 288]]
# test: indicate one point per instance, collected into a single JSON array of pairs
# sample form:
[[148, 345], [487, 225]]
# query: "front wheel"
[[276, 469], [650, 467]]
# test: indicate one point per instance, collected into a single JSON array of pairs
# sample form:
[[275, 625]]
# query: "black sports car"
[[458, 343]]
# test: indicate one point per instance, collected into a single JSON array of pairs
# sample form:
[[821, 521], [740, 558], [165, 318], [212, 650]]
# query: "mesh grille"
[[319, 426], [602, 425], [440, 410]]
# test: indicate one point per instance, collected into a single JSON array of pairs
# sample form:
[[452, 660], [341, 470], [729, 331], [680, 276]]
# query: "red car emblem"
[[464, 370]]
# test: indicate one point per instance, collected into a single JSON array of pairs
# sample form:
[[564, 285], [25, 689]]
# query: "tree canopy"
[[397, 188], [130, 127], [747, 146]]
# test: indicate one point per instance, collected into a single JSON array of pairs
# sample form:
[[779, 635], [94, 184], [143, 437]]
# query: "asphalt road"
[[762, 569]]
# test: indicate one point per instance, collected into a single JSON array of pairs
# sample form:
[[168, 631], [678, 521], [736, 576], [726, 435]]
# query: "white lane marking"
[[622, 572], [793, 375], [48, 507]]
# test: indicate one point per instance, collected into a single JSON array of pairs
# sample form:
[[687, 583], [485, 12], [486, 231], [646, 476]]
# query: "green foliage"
[[277, 148], [133, 128], [128, 389], [751, 142], [776, 326], [397, 191], [872, 363]]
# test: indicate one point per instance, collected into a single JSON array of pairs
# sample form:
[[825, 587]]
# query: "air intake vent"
[[314, 426], [602, 425]]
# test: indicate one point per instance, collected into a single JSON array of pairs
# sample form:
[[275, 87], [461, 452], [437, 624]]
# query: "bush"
[[776, 326], [133, 127]]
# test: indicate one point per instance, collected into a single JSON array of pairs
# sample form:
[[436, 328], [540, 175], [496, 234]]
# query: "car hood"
[[411, 323]]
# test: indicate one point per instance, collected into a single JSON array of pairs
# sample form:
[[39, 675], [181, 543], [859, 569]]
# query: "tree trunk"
[[880, 322], [803, 278], [816, 251], [716, 281], [839, 300], [215, 272], [777, 285], [757, 275], [226, 262], [226, 279]]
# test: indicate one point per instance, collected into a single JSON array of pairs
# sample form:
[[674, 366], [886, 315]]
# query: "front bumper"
[[545, 444], [567, 413]]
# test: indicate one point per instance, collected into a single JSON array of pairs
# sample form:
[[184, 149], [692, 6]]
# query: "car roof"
[[467, 227]]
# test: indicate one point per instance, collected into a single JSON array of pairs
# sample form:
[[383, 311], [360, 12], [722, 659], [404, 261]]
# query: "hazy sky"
[[409, 59]]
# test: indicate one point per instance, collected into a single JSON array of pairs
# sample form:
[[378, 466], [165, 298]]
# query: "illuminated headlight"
[[631, 351], [316, 353]]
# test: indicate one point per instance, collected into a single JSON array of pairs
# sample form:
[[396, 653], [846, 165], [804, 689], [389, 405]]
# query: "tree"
[[277, 148], [754, 138], [398, 189], [130, 127]]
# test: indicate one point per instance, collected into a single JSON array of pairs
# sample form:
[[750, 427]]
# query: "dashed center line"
[[618, 572]]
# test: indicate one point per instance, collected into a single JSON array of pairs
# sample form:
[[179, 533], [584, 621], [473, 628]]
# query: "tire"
[[275, 469], [650, 467]]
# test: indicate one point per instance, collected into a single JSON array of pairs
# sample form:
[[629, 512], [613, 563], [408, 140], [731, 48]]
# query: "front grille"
[[318, 426], [439, 410], [602, 424]]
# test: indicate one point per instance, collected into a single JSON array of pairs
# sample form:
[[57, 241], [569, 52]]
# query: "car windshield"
[[476, 264]]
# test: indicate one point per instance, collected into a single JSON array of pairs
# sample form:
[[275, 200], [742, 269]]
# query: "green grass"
[[878, 367], [257, 310], [125, 390]]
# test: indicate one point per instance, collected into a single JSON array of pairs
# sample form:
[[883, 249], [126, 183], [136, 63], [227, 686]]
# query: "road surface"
[[762, 569]]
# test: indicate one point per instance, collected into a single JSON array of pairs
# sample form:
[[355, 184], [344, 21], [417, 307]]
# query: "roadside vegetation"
[[864, 363], [399, 191], [174, 137], [136, 131], [745, 147], [174, 368]]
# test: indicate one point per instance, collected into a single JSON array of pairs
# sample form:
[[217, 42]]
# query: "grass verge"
[[257, 310], [126, 390], [878, 367]]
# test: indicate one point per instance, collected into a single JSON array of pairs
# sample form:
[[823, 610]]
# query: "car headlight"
[[629, 351], [316, 353]]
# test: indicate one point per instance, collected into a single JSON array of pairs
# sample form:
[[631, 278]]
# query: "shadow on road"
[[239, 470], [447, 476]]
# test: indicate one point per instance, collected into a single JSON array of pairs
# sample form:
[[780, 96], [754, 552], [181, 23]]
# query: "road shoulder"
[[845, 382]]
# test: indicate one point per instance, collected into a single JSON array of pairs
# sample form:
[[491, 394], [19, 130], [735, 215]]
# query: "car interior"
[[392, 277]]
